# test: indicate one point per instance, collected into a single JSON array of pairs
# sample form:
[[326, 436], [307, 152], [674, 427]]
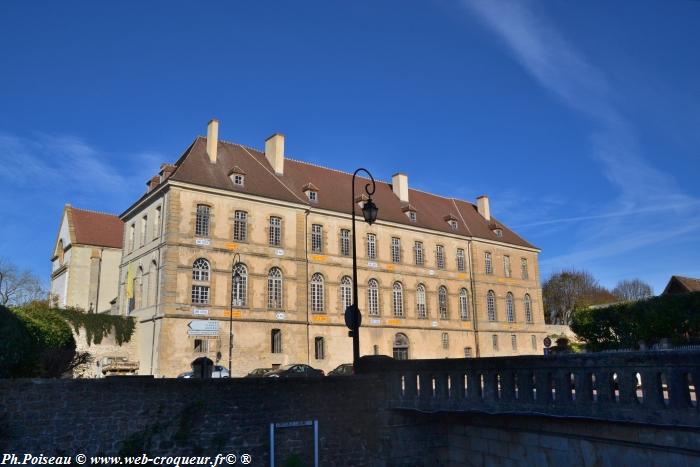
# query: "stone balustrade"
[[641, 387]]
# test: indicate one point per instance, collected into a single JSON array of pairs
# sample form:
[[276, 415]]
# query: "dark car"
[[342, 370], [258, 373], [295, 370]]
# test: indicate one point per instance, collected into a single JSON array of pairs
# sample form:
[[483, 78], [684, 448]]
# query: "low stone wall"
[[133, 415]]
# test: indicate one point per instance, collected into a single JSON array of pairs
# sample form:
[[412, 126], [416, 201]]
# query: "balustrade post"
[[426, 388], [584, 387], [543, 387], [525, 387], [490, 386], [410, 389], [476, 393], [457, 393], [604, 386], [678, 394], [627, 380], [652, 390], [508, 386], [441, 389]]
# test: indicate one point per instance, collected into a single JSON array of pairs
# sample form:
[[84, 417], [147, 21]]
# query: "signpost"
[[201, 327]]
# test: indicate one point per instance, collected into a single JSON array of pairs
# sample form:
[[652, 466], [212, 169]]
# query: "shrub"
[[624, 325], [16, 345]]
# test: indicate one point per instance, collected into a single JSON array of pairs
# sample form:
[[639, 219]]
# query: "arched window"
[[201, 224], [274, 289], [200, 273], [200, 270], [60, 252], [421, 309], [442, 302], [401, 346], [491, 305], [510, 307], [527, 303], [240, 290], [317, 294], [463, 305], [398, 299], [373, 297], [345, 293]]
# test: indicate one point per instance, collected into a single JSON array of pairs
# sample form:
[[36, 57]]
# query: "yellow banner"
[[130, 281]]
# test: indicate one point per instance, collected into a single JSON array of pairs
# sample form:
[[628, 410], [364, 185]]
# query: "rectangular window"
[[240, 226], [445, 340], [144, 224], [506, 266], [201, 225], [533, 342], [238, 180], [200, 294], [371, 246], [395, 250], [488, 267], [460, 260], [156, 223], [467, 352], [418, 253], [523, 268], [132, 233], [276, 341], [514, 341], [440, 256], [275, 231], [317, 238], [313, 196], [376, 349], [345, 242], [201, 345], [320, 353], [494, 341]]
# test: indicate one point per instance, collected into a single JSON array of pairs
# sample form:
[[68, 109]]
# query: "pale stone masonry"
[[161, 246]]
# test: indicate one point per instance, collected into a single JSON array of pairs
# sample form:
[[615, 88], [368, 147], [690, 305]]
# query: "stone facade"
[[158, 263]]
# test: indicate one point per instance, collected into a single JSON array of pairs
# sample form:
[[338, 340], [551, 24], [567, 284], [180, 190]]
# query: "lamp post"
[[353, 317], [235, 282]]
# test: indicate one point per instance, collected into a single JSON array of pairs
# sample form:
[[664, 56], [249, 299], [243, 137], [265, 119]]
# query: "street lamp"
[[353, 317], [235, 283]]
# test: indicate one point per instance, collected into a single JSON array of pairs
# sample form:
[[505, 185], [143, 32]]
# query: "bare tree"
[[567, 290], [18, 287], [632, 290]]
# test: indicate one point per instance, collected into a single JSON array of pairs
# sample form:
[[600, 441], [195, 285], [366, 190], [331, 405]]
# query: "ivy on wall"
[[97, 326]]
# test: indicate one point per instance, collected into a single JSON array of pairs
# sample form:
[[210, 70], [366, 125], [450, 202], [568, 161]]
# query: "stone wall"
[[134, 415]]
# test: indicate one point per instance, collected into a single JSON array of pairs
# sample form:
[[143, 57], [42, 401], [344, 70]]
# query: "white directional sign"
[[202, 327]]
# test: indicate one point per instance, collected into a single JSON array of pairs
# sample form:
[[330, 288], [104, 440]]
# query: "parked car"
[[342, 370], [294, 370], [217, 372], [258, 373]]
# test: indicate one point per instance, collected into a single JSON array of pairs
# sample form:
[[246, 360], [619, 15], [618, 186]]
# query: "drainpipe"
[[99, 276], [475, 321], [306, 257]]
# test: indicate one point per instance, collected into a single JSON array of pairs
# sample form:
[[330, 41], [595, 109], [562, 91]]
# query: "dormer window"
[[237, 177], [311, 192], [410, 211], [452, 221], [498, 232]]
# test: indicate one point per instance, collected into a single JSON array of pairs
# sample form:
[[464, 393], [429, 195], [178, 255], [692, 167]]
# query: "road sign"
[[547, 342], [202, 327]]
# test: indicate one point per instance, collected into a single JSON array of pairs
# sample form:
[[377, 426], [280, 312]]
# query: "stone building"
[[438, 277], [85, 260]]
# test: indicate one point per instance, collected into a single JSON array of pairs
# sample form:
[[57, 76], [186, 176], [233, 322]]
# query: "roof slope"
[[680, 284], [334, 190], [97, 228]]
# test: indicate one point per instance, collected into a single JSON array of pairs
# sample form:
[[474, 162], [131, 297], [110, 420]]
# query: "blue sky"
[[580, 120]]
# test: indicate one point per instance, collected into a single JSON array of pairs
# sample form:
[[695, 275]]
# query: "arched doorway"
[[400, 346]]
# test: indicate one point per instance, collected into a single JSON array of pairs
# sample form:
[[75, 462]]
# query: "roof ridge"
[[95, 211]]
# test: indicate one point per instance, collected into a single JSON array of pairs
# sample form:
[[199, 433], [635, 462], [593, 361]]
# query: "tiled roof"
[[97, 228], [334, 190], [690, 284]]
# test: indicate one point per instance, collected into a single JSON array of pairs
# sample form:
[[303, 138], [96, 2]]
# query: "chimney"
[[212, 139], [153, 182], [399, 183], [166, 170], [482, 205], [274, 152]]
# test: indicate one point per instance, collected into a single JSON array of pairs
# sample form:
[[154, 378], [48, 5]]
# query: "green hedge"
[[624, 325]]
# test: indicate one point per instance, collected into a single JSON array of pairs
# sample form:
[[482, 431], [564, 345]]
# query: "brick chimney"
[[482, 205], [152, 183], [274, 152], [212, 140], [399, 184]]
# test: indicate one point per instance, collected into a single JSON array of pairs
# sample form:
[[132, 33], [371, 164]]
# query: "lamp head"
[[369, 211]]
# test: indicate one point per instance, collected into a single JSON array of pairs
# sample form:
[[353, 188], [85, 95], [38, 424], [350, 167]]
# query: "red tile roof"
[[97, 228], [334, 190]]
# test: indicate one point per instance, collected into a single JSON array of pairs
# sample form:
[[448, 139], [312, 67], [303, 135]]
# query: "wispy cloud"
[[648, 199]]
